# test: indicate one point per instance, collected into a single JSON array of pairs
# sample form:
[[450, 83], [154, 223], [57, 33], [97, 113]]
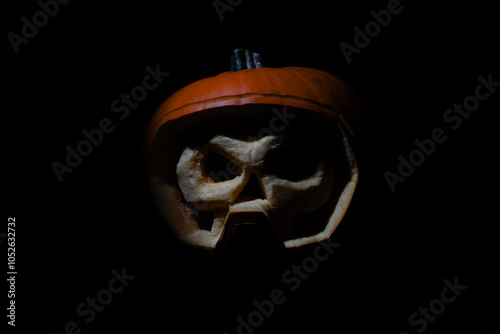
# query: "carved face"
[[298, 180], [277, 176]]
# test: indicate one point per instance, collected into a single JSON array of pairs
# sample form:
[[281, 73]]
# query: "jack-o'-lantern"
[[254, 145]]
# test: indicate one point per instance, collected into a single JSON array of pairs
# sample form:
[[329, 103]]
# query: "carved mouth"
[[247, 230], [245, 217]]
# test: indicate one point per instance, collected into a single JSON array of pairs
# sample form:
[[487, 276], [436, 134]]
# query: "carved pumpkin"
[[255, 145]]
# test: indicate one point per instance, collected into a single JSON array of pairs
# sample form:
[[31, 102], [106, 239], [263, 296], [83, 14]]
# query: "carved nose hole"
[[251, 191]]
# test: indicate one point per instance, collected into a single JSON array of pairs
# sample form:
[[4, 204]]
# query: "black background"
[[396, 247]]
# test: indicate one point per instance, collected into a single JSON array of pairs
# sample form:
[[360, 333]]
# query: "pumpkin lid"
[[249, 83]]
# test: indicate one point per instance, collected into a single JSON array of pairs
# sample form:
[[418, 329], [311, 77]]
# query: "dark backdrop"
[[397, 247]]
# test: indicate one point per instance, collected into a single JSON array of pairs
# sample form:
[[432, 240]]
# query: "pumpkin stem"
[[243, 59]]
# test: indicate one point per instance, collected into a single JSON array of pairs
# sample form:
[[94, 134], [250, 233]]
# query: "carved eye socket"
[[219, 168], [295, 161]]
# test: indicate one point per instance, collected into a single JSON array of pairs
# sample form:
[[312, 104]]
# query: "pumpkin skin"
[[305, 88], [316, 92]]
